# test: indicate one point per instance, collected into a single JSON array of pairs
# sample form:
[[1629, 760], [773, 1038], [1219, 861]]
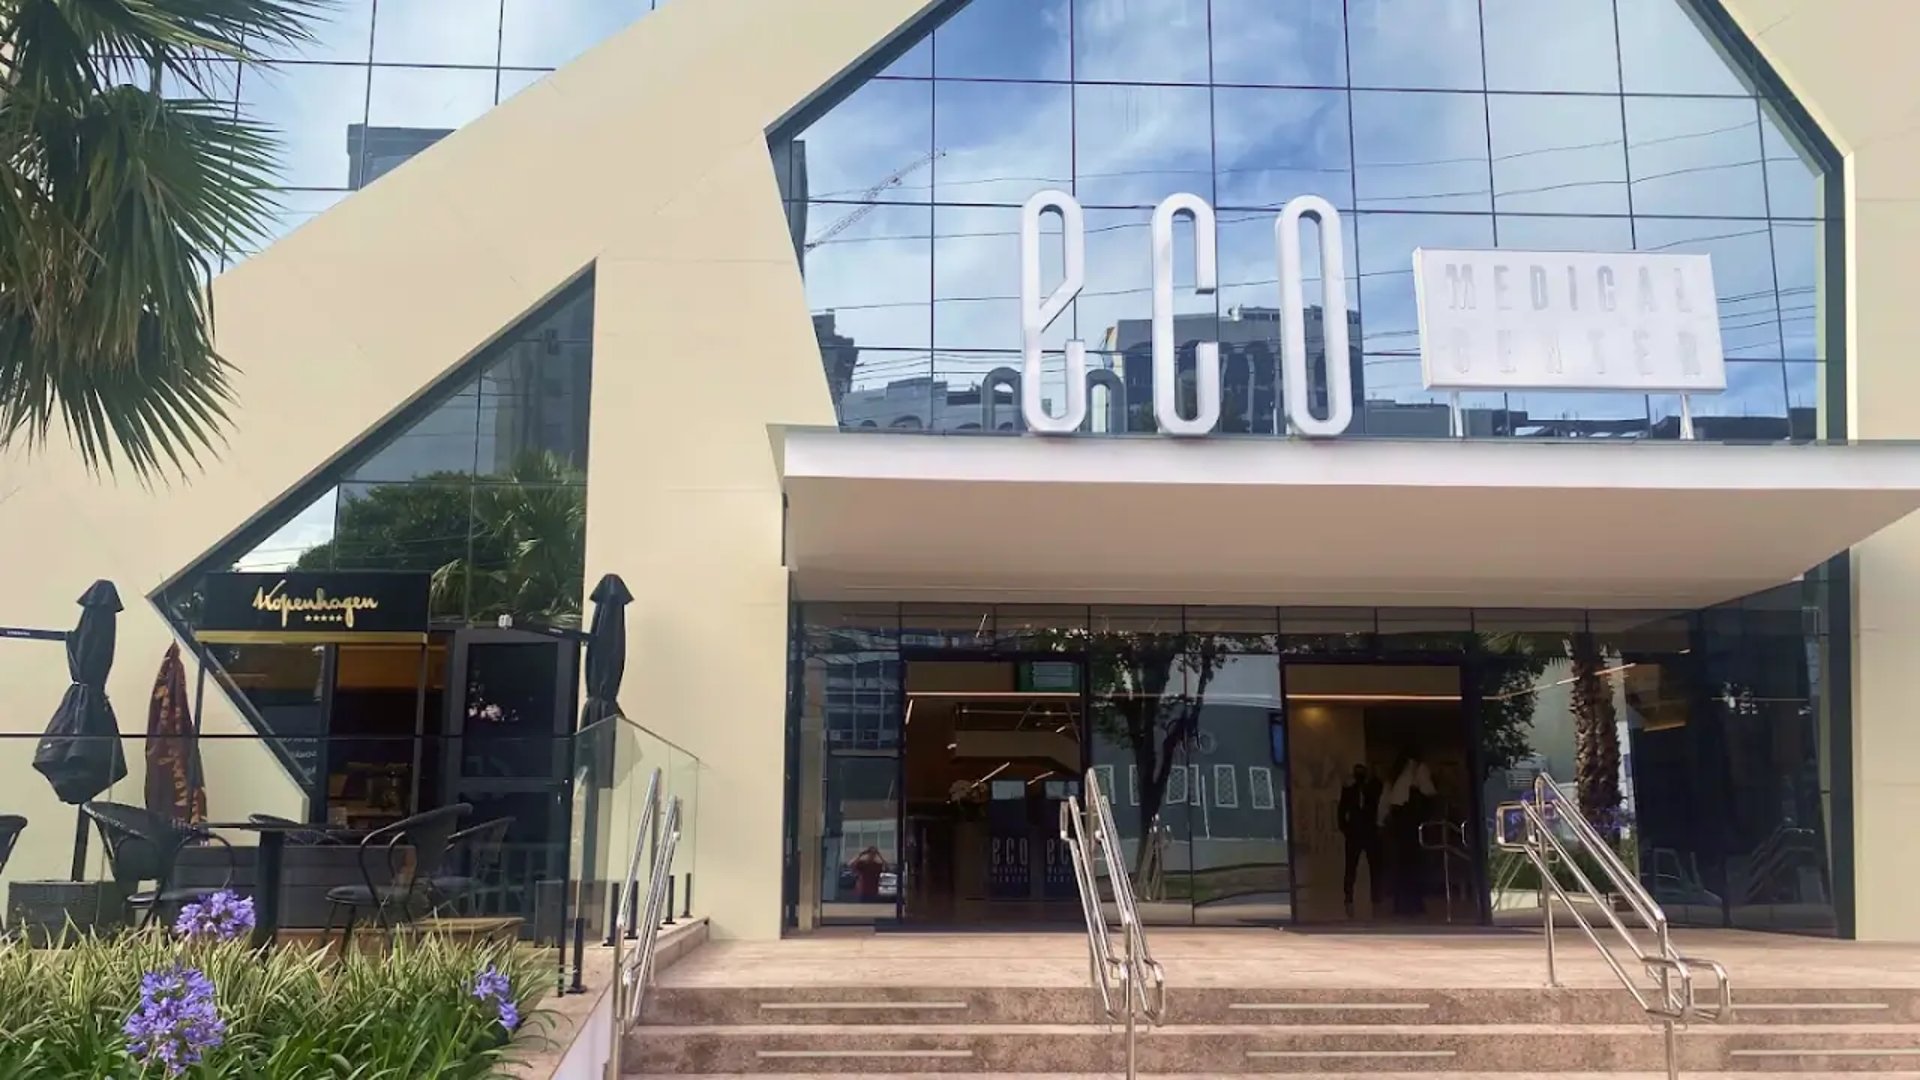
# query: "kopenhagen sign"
[[1489, 320]]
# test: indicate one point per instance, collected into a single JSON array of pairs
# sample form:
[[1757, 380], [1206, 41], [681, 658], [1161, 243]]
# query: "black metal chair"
[[412, 852], [479, 852], [143, 846], [11, 826]]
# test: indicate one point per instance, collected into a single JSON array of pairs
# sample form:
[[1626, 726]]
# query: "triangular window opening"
[[483, 485]]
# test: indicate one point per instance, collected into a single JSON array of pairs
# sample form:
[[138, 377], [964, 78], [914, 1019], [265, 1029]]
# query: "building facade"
[[731, 304]]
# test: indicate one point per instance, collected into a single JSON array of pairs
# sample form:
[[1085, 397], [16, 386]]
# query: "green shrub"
[[288, 1013]]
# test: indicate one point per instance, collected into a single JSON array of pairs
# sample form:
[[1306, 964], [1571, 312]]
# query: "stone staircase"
[[903, 1031]]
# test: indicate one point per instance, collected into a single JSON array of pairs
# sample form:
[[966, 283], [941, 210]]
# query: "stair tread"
[[1265, 1030], [1529, 1075]]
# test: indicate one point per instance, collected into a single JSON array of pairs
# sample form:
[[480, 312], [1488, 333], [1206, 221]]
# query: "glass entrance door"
[[511, 706]]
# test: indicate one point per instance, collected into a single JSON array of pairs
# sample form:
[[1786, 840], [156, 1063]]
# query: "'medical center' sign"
[[1489, 320], [1556, 320]]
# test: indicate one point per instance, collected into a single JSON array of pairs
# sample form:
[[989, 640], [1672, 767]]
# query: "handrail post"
[[1543, 860]]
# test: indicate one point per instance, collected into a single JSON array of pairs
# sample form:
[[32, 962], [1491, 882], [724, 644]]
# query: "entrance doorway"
[[1380, 767], [992, 747]]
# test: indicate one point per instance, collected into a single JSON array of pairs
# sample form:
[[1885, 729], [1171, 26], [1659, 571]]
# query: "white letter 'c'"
[[1206, 275]]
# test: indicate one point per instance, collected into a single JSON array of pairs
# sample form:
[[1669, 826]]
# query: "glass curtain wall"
[[1589, 125], [383, 80], [1699, 740]]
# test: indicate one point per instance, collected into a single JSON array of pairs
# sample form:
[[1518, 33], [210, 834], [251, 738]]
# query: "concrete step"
[[1530, 1074], [1221, 1005], [1245, 1049]]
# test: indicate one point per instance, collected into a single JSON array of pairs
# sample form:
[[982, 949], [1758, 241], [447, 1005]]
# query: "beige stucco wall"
[[1850, 63], [647, 159]]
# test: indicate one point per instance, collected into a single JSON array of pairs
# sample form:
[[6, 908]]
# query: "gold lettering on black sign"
[[318, 608]]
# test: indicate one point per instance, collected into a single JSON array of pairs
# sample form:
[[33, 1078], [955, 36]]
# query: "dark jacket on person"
[[1359, 805]]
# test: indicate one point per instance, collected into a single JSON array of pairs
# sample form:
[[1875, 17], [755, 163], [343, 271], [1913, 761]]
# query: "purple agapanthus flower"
[[223, 916], [176, 1022], [493, 986]]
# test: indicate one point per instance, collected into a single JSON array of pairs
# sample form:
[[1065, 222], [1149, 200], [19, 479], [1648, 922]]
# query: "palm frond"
[[115, 206]]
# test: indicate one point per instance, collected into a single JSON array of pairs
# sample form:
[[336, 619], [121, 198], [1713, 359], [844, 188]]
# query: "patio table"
[[269, 859]]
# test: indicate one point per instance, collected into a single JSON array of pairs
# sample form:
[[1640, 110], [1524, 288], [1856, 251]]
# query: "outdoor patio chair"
[[11, 826], [411, 852], [143, 846], [477, 856]]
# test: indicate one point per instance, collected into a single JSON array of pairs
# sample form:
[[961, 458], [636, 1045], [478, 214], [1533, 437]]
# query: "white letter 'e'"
[[1037, 315]]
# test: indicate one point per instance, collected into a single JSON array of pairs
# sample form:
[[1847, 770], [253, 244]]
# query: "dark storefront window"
[[1596, 125], [1697, 739]]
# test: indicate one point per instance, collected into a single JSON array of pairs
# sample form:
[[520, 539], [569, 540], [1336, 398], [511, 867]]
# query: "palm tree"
[[116, 201]]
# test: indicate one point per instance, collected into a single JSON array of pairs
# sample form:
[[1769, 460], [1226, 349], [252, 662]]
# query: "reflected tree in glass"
[[1146, 692], [515, 548], [1596, 737], [1507, 702]]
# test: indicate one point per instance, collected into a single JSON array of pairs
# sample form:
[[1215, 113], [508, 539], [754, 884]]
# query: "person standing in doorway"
[[1358, 817], [867, 868], [1406, 803]]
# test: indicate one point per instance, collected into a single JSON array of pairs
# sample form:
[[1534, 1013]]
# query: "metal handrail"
[[1779, 848], [633, 971], [624, 895], [638, 974], [1678, 1003], [1130, 972], [1451, 844]]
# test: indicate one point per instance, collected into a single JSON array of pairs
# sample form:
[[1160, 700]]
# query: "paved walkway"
[[1274, 958]]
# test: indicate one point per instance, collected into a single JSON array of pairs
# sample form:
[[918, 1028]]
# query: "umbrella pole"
[[79, 844]]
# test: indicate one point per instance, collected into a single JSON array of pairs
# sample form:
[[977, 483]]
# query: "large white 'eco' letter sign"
[[1206, 278], [1036, 316], [1333, 317]]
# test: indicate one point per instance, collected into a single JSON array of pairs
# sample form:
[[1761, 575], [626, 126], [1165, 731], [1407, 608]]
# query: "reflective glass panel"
[[976, 285], [311, 106], [437, 32], [983, 158], [1565, 45], [341, 31], [1420, 151], [1259, 43], [1130, 41], [1388, 313], [1006, 39], [871, 271], [1794, 187], [1696, 156], [1415, 44], [1136, 145], [438, 99], [1557, 154], [1742, 254], [1663, 50], [1797, 260], [548, 33], [858, 149], [1271, 145]]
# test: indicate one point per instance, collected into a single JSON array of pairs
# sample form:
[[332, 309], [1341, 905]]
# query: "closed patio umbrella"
[[176, 787], [606, 650], [80, 754]]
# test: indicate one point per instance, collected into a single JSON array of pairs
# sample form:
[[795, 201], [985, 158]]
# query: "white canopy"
[[1493, 523]]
